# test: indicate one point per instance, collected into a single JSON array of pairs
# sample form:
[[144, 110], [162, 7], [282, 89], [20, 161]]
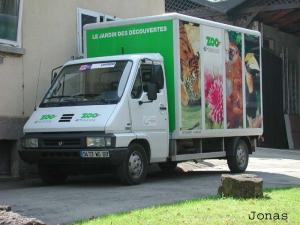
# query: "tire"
[[133, 170], [237, 156], [51, 175], [168, 167]]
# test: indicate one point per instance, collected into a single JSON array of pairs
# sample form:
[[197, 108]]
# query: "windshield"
[[95, 83]]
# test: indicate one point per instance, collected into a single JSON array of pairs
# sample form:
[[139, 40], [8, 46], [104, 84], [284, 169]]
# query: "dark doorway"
[[5, 157], [274, 126]]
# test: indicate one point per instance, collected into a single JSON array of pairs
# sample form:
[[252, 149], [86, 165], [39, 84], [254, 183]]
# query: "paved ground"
[[94, 196]]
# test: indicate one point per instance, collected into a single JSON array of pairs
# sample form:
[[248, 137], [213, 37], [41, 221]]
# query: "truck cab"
[[100, 113]]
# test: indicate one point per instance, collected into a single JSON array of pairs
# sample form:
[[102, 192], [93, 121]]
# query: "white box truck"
[[161, 89]]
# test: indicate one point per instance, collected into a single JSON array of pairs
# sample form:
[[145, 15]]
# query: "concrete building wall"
[[11, 75], [49, 38]]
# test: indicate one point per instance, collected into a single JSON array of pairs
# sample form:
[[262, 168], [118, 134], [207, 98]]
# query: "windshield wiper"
[[85, 95], [108, 101], [77, 98], [72, 96], [59, 96], [62, 98]]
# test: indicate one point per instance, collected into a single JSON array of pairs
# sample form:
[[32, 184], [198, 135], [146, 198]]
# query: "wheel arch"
[[230, 142], [146, 146]]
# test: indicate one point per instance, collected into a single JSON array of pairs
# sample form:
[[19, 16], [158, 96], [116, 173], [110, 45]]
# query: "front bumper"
[[72, 156], [66, 148]]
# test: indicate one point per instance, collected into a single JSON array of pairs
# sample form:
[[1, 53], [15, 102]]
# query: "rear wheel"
[[237, 156], [51, 175], [133, 169], [168, 167]]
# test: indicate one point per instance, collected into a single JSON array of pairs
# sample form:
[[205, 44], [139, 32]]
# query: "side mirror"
[[158, 76], [152, 91]]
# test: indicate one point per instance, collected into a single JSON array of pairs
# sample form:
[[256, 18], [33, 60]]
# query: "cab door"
[[150, 117]]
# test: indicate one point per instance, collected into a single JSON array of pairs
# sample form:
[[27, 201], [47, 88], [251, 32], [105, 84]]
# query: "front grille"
[[60, 155], [66, 118], [62, 143]]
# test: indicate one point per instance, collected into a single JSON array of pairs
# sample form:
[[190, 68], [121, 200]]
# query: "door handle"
[[163, 108]]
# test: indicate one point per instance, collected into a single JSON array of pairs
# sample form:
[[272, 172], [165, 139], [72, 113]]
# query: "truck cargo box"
[[213, 70]]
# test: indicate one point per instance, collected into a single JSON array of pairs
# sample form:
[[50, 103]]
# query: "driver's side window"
[[141, 81]]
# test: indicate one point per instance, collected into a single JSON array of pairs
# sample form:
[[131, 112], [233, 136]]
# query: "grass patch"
[[214, 210]]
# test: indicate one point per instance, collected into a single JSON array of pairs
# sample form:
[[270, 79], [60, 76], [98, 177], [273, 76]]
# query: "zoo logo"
[[47, 117], [89, 115], [212, 42]]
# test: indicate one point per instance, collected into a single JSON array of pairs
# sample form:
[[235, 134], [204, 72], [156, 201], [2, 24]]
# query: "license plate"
[[94, 154]]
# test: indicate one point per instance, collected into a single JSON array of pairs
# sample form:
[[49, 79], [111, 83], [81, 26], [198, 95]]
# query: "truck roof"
[[133, 57], [170, 16]]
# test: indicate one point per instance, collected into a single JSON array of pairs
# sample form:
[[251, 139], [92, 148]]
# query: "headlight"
[[108, 141], [94, 142], [30, 143]]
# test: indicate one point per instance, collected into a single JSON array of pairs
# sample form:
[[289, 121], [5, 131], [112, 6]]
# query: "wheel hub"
[[135, 165], [241, 156]]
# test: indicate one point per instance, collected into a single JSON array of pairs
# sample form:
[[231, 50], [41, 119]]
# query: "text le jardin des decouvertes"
[[131, 32]]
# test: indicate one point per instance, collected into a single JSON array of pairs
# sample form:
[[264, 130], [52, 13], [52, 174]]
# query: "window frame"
[[81, 12], [97, 15], [18, 42]]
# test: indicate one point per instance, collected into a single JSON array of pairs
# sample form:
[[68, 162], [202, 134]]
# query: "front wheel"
[[133, 169], [237, 156]]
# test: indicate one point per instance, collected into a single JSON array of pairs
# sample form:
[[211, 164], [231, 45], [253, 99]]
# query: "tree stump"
[[241, 186]]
